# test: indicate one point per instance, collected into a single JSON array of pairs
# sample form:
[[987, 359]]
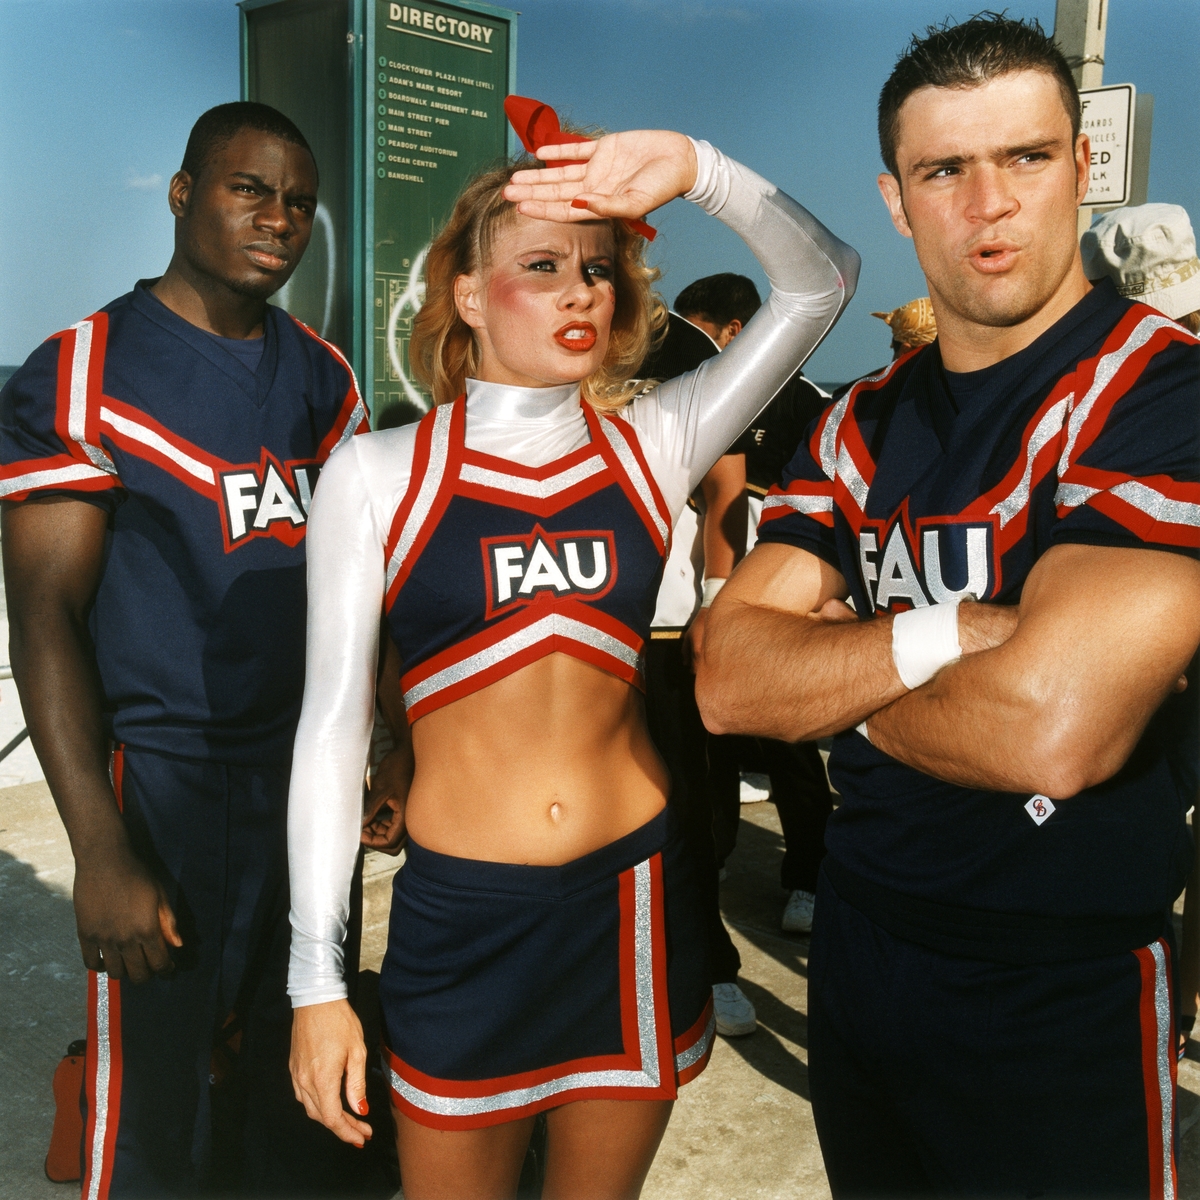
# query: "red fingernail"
[[577, 203], [363, 1107]]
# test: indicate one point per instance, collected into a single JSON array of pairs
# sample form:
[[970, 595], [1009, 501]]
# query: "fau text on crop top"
[[491, 565]]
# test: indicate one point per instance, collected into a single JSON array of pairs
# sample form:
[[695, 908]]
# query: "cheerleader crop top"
[[671, 435]]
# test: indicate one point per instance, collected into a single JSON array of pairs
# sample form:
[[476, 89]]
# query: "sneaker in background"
[[753, 786], [734, 1013], [798, 914]]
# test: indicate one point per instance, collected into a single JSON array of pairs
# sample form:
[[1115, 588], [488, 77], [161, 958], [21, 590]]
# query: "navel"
[[556, 812]]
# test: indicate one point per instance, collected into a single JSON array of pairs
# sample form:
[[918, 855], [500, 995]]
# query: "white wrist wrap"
[[924, 640], [711, 588]]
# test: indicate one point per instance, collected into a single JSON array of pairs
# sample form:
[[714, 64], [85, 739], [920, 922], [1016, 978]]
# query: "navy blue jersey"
[[492, 565], [1089, 435], [207, 471]]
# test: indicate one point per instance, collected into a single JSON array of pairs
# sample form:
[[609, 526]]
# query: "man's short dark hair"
[[220, 125], [719, 299], [965, 56]]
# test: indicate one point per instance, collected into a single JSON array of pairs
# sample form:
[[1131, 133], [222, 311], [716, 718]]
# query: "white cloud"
[[144, 183]]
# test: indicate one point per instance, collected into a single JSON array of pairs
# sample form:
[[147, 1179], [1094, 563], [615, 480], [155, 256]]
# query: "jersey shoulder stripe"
[[352, 419], [83, 464]]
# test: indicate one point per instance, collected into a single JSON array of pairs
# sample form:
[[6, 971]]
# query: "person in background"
[[1149, 253], [158, 458], [709, 536], [912, 325], [794, 773]]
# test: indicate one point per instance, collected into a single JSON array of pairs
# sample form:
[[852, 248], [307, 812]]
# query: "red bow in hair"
[[537, 125]]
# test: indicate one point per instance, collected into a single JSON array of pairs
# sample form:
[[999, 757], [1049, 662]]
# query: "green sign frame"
[[444, 69]]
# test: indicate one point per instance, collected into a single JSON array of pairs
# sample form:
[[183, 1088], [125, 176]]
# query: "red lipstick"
[[577, 335]]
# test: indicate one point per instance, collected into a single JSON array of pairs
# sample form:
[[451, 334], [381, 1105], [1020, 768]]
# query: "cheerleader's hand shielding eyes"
[[624, 175]]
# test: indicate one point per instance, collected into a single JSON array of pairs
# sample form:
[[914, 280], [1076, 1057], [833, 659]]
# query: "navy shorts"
[[511, 989], [936, 1074], [186, 1085]]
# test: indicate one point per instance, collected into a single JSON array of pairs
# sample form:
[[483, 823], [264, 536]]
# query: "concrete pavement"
[[742, 1131]]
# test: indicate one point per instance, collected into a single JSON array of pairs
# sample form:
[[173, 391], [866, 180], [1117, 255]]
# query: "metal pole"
[[1080, 27], [14, 743]]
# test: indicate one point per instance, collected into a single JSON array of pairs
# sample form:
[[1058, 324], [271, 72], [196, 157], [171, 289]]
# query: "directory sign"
[[439, 74], [1108, 123]]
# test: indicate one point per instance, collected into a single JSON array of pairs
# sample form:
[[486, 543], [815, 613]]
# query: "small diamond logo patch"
[[1039, 808]]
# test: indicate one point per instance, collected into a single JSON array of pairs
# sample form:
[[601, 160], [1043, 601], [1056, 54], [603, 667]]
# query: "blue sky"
[[98, 97]]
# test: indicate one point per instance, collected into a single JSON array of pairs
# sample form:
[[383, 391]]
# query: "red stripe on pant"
[[102, 1084], [103, 1062], [1158, 1066]]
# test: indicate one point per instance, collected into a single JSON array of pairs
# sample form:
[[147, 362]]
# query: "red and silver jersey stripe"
[[439, 452], [1106, 370], [77, 412], [46, 477], [798, 503], [520, 485], [145, 436], [637, 477], [549, 626]]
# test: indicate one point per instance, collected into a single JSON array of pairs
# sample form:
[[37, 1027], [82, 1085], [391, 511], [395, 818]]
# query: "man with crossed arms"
[[1015, 512]]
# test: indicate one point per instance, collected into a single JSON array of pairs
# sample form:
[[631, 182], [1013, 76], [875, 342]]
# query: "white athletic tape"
[[924, 640]]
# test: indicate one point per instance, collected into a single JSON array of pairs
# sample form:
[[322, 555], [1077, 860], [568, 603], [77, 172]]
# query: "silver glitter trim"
[[547, 627], [359, 413], [1048, 427], [356, 417], [50, 478], [634, 471], [694, 1053], [802, 504], [1072, 495], [1163, 1052], [439, 451], [829, 451], [648, 1077], [155, 441], [1108, 366], [77, 405], [643, 957], [541, 489], [855, 484], [1147, 499], [100, 1099], [1156, 505]]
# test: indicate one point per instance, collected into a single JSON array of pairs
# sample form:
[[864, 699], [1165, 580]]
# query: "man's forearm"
[[56, 679], [796, 678]]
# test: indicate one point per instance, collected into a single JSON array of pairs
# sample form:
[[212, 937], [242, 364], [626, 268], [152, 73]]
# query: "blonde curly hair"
[[443, 350]]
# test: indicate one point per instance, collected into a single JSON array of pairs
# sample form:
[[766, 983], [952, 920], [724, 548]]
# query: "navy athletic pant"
[[187, 1085], [934, 1074], [679, 734]]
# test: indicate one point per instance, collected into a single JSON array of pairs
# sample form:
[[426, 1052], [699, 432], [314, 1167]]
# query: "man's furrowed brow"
[[250, 177], [1029, 148], [936, 164]]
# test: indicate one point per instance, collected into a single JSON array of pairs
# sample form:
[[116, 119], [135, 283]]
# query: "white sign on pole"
[[1108, 122]]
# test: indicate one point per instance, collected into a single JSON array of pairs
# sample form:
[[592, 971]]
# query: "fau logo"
[[519, 569], [267, 500], [942, 561]]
